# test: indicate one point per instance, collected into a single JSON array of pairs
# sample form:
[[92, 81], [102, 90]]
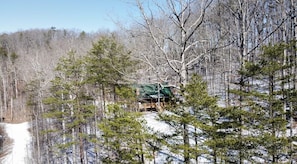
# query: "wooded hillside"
[[231, 60]]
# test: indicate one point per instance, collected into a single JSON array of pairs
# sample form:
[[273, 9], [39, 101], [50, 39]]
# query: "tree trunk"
[[81, 146], [186, 144], [74, 133], [183, 76], [103, 97], [4, 93], [37, 135], [64, 132]]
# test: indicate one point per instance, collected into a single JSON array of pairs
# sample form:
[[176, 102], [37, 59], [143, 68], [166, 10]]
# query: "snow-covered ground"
[[164, 153], [21, 152], [156, 125], [152, 122], [20, 148]]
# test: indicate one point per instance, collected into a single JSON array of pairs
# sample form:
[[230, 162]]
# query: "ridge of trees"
[[74, 84]]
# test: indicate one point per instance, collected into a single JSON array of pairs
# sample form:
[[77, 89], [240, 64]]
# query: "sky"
[[83, 15]]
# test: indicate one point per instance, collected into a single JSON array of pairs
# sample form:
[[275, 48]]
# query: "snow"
[[21, 138], [164, 154], [156, 125]]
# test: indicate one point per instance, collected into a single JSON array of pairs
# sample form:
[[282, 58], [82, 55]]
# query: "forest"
[[233, 64]]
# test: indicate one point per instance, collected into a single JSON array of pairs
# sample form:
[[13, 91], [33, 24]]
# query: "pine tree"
[[109, 65], [208, 125], [271, 101], [123, 136], [178, 141], [240, 143], [195, 119], [70, 108], [126, 97], [259, 118]]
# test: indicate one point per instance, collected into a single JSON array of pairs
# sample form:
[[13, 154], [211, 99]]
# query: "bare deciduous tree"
[[171, 26]]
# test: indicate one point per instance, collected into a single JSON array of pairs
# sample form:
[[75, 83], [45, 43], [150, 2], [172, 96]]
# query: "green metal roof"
[[148, 91]]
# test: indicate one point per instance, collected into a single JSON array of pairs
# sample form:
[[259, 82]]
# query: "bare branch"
[[153, 36]]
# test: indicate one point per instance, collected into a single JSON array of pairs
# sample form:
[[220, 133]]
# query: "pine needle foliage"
[[69, 107], [123, 136], [261, 109], [195, 124]]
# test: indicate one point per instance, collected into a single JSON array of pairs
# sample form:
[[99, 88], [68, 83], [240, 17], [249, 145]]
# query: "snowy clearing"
[[20, 148]]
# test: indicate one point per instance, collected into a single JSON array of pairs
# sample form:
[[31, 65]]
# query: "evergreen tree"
[[208, 124], [259, 120], [123, 136], [178, 141], [126, 97], [270, 100], [70, 108], [109, 65], [196, 119], [239, 144]]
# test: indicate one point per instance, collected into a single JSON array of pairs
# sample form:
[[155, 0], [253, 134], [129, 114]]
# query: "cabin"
[[154, 96]]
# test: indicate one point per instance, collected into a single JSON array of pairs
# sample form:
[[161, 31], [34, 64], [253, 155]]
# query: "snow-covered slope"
[[20, 151], [164, 154]]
